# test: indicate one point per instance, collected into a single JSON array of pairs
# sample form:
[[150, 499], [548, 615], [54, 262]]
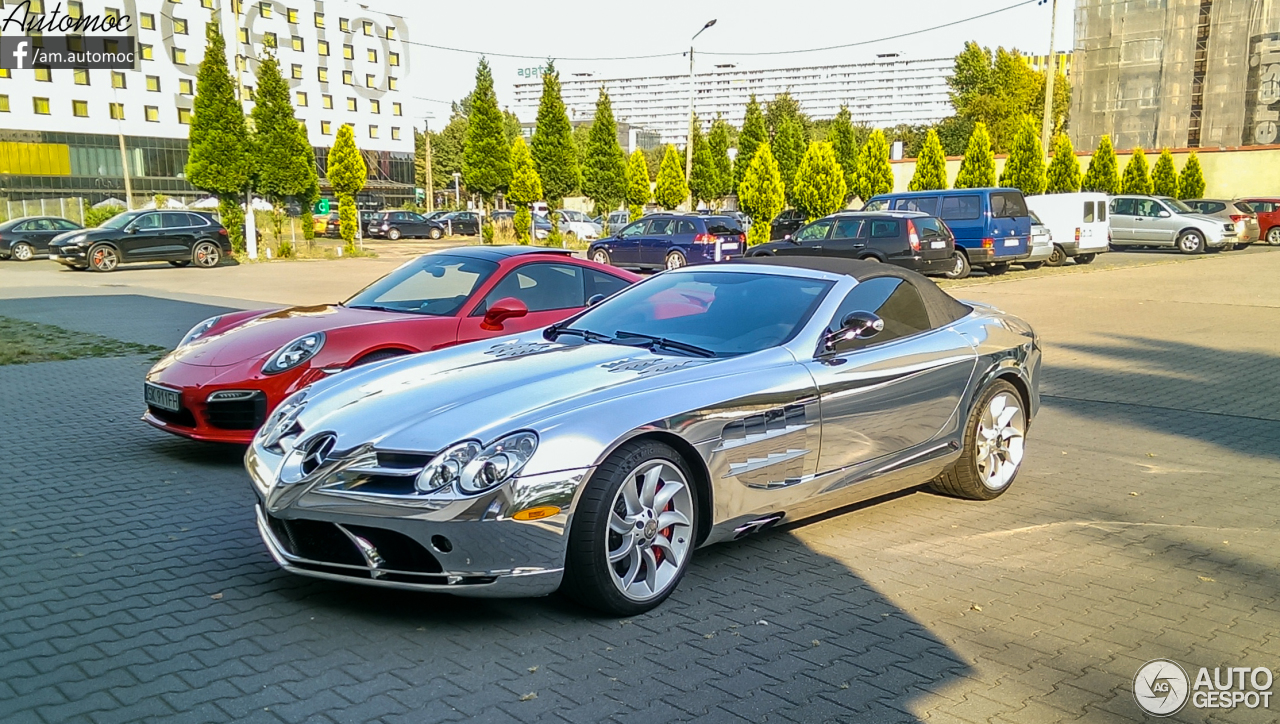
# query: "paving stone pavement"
[[1143, 525]]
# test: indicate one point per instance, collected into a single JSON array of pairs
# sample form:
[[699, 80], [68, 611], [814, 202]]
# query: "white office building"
[[346, 64], [883, 92]]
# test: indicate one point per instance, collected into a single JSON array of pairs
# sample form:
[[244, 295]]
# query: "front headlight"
[[475, 470], [77, 240], [282, 420], [295, 353], [199, 330]]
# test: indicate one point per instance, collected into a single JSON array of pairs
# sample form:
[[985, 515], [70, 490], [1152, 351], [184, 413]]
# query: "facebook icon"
[[20, 54]]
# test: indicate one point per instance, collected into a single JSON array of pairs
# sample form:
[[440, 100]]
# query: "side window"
[[1008, 204], [929, 229], [1088, 212], [39, 225], [173, 220], [196, 220], [660, 227], [961, 207], [632, 231], [884, 228], [1102, 211], [685, 227], [893, 300], [1124, 207], [541, 286], [65, 225], [876, 205], [847, 228], [814, 232], [924, 204], [1148, 207], [600, 283], [148, 221]]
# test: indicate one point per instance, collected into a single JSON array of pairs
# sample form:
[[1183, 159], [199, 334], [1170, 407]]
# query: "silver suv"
[[1161, 221]]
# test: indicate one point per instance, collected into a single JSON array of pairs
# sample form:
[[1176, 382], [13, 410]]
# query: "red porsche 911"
[[230, 371]]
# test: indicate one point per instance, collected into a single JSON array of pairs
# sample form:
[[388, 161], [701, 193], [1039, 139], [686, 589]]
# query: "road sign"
[[322, 207]]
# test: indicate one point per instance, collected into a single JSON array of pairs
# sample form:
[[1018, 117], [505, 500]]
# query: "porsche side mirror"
[[855, 325], [595, 299], [502, 310]]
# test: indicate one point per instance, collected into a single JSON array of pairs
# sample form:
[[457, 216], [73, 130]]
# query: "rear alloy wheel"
[[22, 251], [207, 254], [1032, 265], [600, 256], [675, 260], [435, 233], [1273, 236], [633, 534], [959, 266], [393, 233], [993, 446], [996, 269], [1058, 257], [103, 258], [1191, 242], [1085, 258]]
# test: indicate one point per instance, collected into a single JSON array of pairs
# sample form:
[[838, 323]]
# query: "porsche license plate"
[[162, 397]]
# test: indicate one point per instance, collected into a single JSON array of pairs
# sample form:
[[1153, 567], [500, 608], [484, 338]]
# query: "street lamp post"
[[688, 143], [1051, 72], [429, 181]]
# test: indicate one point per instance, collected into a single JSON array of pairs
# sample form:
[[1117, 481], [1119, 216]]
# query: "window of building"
[[40, 105], [109, 13], [179, 26], [243, 35], [81, 76], [322, 74], [4, 104], [325, 130], [391, 33], [348, 77], [319, 20], [297, 71], [300, 98], [117, 111], [395, 133], [373, 55], [349, 52], [151, 113], [393, 59], [36, 6], [206, 4], [351, 104], [248, 91], [184, 116], [297, 43], [147, 21], [118, 80], [326, 100], [322, 47], [111, 46], [368, 28], [391, 83], [373, 131], [370, 81], [186, 86], [153, 83], [179, 56], [4, 72], [293, 15], [344, 25], [80, 109], [145, 52], [264, 9], [375, 106], [396, 109], [45, 75], [75, 9], [269, 40]]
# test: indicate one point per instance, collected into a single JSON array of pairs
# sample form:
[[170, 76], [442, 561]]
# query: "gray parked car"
[[597, 454], [1041, 244], [1164, 222], [1233, 211]]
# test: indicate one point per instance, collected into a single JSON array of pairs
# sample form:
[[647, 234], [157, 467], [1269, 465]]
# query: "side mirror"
[[787, 237], [855, 325], [595, 299], [502, 310], [130, 229], [1163, 214]]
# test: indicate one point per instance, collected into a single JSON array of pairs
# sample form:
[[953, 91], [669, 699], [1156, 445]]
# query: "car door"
[[935, 239], [809, 240], [1123, 211], [963, 215], [176, 237], [1150, 227], [848, 238], [141, 238], [887, 397], [38, 233], [656, 240], [550, 290], [1010, 224], [885, 235], [624, 248]]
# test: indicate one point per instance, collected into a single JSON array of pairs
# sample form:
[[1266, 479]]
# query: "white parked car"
[[1161, 221], [578, 224], [1077, 224]]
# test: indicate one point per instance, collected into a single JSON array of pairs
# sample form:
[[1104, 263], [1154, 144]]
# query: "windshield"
[[720, 312], [1178, 206], [574, 215], [121, 220], [436, 284]]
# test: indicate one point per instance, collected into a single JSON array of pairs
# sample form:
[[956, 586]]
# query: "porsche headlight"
[[475, 470], [295, 353], [199, 331], [282, 420]]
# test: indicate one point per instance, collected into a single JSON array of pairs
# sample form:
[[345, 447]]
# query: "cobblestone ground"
[[1143, 525]]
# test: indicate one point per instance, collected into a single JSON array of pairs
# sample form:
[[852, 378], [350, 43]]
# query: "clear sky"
[[611, 29]]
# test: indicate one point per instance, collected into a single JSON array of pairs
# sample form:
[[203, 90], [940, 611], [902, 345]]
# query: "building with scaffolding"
[[1176, 73]]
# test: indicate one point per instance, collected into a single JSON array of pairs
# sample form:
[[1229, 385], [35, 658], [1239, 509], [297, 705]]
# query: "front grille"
[[407, 461], [320, 542], [182, 418], [245, 414]]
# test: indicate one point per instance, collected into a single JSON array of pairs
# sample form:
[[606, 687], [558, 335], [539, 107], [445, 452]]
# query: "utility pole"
[[688, 142], [1051, 72], [430, 182], [124, 164]]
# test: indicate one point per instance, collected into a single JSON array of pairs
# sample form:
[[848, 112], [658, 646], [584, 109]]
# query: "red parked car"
[[1268, 211], [230, 371]]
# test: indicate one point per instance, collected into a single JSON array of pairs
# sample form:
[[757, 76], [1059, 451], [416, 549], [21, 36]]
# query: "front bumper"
[[228, 421], [71, 256]]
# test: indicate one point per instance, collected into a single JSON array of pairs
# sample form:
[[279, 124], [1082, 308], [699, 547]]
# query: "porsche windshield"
[[436, 284], [703, 313]]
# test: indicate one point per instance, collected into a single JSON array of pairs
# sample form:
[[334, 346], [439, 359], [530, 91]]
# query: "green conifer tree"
[[845, 144], [1136, 178], [671, 189], [525, 189], [604, 174], [1064, 170], [753, 134], [820, 188], [875, 175], [639, 191], [1103, 175], [1024, 168], [788, 150], [703, 182], [761, 195], [1191, 181], [486, 155], [931, 166], [718, 141], [554, 155], [347, 174], [1164, 177], [285, 163], [978, 169]]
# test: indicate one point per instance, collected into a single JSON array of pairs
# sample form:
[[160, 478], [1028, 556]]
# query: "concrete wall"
[[1228, 173]]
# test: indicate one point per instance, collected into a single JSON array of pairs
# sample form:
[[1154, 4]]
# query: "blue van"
[[992, 226]]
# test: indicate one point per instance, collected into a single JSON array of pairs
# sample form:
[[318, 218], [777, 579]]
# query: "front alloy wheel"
[[207, 254], [103, 258], [1191, 242], [435, 232], [633, 533], [993, 446], [22, 251]]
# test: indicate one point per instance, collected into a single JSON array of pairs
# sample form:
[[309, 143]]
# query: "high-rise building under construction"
[[1176, 73]]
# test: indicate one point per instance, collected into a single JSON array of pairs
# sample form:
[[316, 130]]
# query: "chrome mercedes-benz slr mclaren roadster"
[[698, 406]]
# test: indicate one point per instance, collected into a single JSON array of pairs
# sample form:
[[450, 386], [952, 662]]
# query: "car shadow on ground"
[[128, 317]]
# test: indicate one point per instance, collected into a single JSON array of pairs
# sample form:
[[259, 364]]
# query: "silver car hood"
[[487, 389]]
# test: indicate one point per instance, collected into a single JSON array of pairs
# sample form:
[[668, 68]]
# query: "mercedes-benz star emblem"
[[316, 451]]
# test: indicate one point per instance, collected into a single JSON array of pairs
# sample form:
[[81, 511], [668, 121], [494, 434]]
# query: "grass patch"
[[26, 342]]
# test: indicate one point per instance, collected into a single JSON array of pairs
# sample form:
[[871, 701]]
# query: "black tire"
[[870, 258], [996, 269], [181, 262], [588, 578], [1085, 258], [435, 233], [1058, 257], [961, 268], [675, 260], [103, 258], [22, 251], [962, 479], [1032, 265], [378, 356], [600, 256], [1273, 236], [1191, 242], [393, 233], [206, 254]]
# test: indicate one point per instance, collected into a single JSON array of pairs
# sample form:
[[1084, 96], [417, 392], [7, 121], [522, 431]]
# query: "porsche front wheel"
[[633, 533], [993, 446]]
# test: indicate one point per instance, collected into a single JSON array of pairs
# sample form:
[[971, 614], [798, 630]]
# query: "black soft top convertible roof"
[[943, 309]]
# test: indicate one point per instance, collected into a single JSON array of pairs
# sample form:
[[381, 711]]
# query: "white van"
[[1078, 223]]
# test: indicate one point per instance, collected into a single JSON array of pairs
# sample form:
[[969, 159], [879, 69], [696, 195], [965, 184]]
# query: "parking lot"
[[1142, 526]]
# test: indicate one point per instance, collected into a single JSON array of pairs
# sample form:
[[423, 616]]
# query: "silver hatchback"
[[1162, 221], [1227, 210]]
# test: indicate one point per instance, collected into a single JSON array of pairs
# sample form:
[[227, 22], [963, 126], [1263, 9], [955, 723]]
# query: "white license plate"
[[1010, 242], [727, 246], [162, 397], [937, 245]]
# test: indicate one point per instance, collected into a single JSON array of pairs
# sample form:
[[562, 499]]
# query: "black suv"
[[908, 239], [178, 237], [786, 223]]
